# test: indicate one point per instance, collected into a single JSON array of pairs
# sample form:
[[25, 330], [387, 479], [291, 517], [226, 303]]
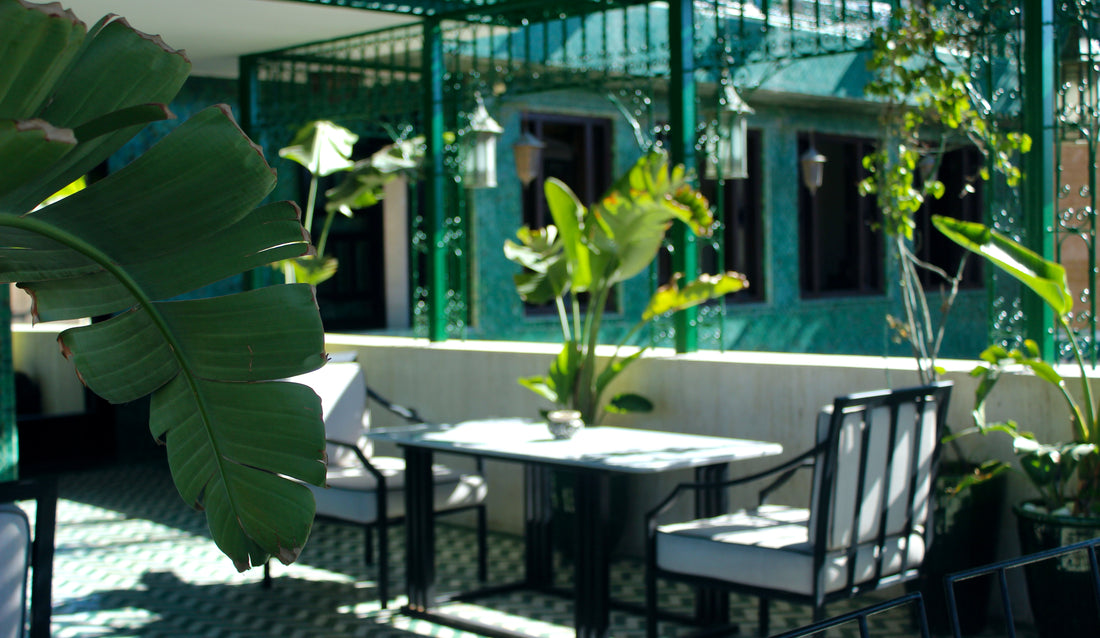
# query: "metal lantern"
[[732, 153], [813, 169], [528, 154], [482, 165]]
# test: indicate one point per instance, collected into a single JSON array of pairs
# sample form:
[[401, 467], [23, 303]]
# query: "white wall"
[[755, 395]]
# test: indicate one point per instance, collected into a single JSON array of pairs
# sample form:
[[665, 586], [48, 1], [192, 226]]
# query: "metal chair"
[[861, 618], [865, 527], [23, 553], [1084, 557], [367, 490]]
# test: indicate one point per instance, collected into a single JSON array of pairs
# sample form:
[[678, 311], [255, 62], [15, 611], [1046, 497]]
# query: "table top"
[[603, 447]]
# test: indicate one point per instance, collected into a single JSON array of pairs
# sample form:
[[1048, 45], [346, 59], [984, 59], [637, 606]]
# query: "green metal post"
[[9, 435], [685, 255], [434, 214], [248, 90], [1038, 163]]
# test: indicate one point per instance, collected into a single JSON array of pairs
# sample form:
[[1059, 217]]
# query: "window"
[[578, 152], [841, 252], [962, 199], [738, 209]]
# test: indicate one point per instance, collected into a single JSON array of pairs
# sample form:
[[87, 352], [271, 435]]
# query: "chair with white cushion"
[[368, 490], [26, 555], [866, 525]]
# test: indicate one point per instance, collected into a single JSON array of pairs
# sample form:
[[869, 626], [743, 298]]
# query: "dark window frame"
[[964, 199], [824, 245], [578, 152]]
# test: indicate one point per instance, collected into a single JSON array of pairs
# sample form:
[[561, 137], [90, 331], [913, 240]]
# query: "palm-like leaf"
[[1045, 277], [184, 215]]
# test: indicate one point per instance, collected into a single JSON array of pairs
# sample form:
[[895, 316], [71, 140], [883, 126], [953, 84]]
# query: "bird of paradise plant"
[[592, 249]]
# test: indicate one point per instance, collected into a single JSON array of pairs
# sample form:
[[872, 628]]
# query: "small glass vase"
[[564, 424]]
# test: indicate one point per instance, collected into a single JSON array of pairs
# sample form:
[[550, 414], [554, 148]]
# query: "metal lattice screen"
[[504, 49]]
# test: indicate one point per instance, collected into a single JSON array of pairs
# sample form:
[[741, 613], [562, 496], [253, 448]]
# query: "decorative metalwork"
[[503, 49], [1077, 37]]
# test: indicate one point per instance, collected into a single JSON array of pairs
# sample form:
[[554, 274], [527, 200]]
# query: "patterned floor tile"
[[133, 561]]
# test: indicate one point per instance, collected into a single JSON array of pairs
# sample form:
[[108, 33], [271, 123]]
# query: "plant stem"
[[324, 234], [311, 201], [1086, 430]]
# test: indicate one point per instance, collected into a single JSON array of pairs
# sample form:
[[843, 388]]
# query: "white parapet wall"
[[756, 395]]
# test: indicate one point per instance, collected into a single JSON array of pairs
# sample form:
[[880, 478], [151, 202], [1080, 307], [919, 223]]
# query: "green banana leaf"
[[672, 298], [241, 444], [322, 147], [1046, 278]]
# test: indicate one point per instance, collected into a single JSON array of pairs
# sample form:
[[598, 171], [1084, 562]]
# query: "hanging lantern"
[[528, 154], [731, 157], [813, 169], [481, 170]]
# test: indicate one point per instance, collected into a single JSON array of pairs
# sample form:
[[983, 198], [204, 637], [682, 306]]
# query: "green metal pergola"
[[424, 77]]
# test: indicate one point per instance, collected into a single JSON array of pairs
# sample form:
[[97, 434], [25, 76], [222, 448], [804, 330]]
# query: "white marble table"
[[592, 454]]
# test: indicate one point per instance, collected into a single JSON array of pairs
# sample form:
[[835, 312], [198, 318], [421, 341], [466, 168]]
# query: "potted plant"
[[590, 250], [1066, 473], [185, 214], [928, 110]]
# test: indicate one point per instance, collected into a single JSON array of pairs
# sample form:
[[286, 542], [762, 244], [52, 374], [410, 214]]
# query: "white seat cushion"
[[15, 560], [352, 493], [768, 547]]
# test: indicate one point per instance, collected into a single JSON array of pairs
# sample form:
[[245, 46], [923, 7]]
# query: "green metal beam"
[[1038, 121], [9, 435], [435, 175], [685, 255]]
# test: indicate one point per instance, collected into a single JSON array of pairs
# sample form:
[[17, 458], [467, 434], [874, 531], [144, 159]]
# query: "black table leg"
[[592, 605], [419, 529], [711, 605], [538, 533]]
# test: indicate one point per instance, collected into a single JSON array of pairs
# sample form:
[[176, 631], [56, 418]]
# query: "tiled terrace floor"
[[133, 560]]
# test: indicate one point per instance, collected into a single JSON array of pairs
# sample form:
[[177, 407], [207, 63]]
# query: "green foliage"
[[185, 214], [590, 250], [931, 106], [325, 148], [1064, 473]]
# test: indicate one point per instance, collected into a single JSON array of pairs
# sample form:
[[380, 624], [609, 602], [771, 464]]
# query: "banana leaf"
[[188, 213]]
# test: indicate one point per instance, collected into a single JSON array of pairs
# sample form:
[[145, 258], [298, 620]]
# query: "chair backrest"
[[873, 479], [343, 390], [15, 567], [22, 555]]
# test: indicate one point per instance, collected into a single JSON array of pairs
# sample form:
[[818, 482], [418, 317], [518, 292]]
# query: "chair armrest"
[[785, 470], [808, 461], [367, 465]]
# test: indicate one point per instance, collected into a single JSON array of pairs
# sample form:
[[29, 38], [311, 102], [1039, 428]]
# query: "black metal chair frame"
[[824, 452], [44, 492], [1000, 570], [861, 617], [383, 523]]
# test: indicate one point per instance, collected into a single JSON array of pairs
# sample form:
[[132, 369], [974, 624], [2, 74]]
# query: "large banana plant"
[[1065, 473], [590, 250], [185, 214]]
